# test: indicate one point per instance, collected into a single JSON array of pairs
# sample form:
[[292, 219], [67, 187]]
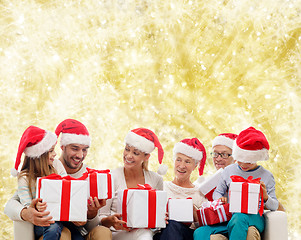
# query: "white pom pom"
[[162, 170], [14, 172]]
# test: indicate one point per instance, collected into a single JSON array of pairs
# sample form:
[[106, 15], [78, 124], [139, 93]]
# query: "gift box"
[[180, 210], [66, 197], [142, 207], [213, 212], [244, 195], [100, 183], [209, 185]]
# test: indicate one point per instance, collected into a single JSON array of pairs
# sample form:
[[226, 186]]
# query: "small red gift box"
[[142, 207], [100, 183], [213, 212]]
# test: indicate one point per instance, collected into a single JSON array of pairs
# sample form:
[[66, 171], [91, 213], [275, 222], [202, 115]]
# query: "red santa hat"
[[73, 131], [145, 140], [225, 139], [251, 146], [192, 148], [34, 142]]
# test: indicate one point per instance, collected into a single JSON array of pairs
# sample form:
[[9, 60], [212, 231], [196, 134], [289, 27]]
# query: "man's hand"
[[94, 205], [30, 214], [114, 220]]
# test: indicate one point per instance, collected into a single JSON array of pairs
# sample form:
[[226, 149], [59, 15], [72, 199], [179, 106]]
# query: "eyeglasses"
[[223, 155]]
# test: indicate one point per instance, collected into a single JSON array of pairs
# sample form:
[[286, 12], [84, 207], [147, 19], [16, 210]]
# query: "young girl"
[[38, 147]]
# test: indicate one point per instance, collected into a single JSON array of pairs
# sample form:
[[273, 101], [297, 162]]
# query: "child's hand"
[[265, 193], [223, 200], [41, 206], [166, 218]]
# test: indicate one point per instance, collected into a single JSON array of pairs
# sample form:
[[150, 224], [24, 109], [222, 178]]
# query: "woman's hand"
[[94, 205], [114, 220], [195, 215], [265, 193], [41, 206]]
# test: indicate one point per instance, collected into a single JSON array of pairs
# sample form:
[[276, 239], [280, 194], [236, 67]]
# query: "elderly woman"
[[139, 143], [188, 154]]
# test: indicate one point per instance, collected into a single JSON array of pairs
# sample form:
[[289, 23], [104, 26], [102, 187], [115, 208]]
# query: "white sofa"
[[275, 229]]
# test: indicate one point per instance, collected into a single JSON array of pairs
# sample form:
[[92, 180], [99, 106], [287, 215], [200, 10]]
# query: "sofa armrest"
[[23, 230], [275, 226]]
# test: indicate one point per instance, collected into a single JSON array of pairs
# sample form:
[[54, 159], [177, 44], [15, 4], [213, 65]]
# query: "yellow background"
[[181, 68]]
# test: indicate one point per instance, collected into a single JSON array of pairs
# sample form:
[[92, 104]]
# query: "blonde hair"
[[33, 168], [145, 163]]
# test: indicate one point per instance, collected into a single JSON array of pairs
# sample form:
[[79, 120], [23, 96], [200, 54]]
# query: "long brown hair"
[[33, 168]]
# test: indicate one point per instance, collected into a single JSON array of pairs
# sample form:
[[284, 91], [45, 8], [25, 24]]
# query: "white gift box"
[[244, 197], [100, 185], [208, 186], [142, 208], [180, 210], [66, 199]]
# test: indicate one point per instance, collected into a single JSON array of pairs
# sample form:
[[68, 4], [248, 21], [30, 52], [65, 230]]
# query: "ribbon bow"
[[214, 204], [250, 179], [144, 187], [90, 170], [245, 182]]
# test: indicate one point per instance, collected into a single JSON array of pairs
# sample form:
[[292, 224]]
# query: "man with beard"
[[75, 142]]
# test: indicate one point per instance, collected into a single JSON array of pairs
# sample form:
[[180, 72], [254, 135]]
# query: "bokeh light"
[[183, 68]]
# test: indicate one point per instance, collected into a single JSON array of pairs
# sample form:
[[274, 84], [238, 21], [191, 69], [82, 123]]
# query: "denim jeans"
[[175, 231], [53, 232]]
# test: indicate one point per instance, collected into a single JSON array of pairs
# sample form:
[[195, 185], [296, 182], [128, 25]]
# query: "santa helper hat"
[[192, 148], [145, 140], [73, 131], [251, 146], [34, 142], [224, 139]]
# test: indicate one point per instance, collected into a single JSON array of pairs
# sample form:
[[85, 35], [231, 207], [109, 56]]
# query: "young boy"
[[250, 146]]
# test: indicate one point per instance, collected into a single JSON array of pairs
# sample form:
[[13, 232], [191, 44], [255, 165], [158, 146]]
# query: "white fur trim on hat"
[[222, 140], [139, 142], [249, 156], [41, 147], [189, 151], [69, 138]]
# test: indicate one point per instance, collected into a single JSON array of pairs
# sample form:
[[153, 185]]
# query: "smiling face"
[[134, 158], [183, 167], [51, 155], [247, 166], [73, 156], [220, 162]]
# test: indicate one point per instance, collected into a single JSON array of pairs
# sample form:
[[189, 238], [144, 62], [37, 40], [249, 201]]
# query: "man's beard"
[[69, 165]]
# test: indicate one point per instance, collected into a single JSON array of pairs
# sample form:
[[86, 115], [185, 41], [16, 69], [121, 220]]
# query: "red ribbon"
[[245, 190], [66, 191], [151, 204], [93, 181], [65, 200]]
